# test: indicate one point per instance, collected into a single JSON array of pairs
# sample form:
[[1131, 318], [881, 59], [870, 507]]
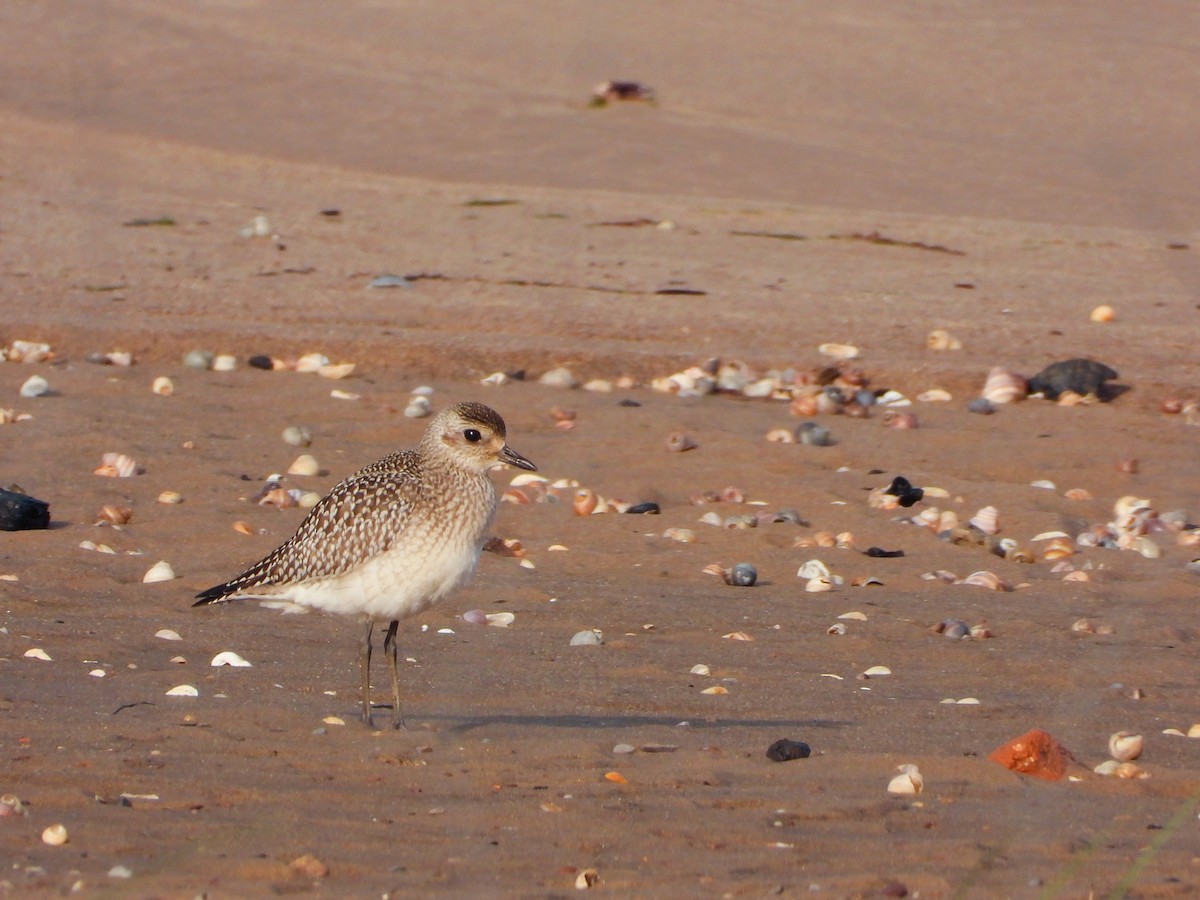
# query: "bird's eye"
[[473, 435]]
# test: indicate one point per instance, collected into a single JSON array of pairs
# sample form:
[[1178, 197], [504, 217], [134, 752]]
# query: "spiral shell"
[[1004, 386]]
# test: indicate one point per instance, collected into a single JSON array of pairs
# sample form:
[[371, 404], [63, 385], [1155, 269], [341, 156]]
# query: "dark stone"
[[981, 405], [880, 553], [21, 513], [783, 750], [644, 509], [1083, 376], [261, 362], [743, 575], [904, 492]]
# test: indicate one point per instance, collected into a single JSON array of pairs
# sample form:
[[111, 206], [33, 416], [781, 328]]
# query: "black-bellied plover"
[[392, 539]]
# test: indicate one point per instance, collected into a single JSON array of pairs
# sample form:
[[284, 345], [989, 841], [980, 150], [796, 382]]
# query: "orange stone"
[[1036, 753]]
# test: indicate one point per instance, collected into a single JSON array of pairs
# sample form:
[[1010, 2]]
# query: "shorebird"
[[392, 539]]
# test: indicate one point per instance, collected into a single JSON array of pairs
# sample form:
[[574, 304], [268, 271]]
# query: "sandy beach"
[[233, 178]]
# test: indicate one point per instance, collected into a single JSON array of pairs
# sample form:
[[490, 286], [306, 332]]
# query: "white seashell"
[[333, 720], [224, 363], [586, 879], [836, 628], [336, 372], [560, 377], [1050, 535], [814, 568], [711, 518], [311, 362], [117, 465], [599, 386], [445, 631], [856, 616], [892, 398], [1124, 746], [27, 351], [344, 395], [495, 379], [418, 407], [1194, 731], [167, 634], [877, 670], [229, 658], [35, 386], [986, 520], [501, 619], [969, 701], [909, 781], [170, 498], [592, 637], [700, 669], [818, 585], [305, 465], [528, 478], [37, 653], [940, 339], [715, 689], [1147, 548], [1126, 506], [163, 386], [183, 690], [55, 835], [988, 580], [838, 351], [160, 571], [527, 564], [1003, 386], [934, 395], [683, 535], [98, 673]]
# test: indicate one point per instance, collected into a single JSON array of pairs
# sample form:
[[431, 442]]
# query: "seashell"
[[742, 575], [224, 363], [525, 478], [986, 520], [804, 405], [198, 359], [592, 637], [854, 616], [183, 690], [877, 671], [296, 436], [163, 386], [1078, 494], [1070, 398], [712, 518], [336, 371], [902, 420], [229, 658], [955, 629], [934, 395], [170, 498], [501, 619], [683, 535], [1172, 406], [475, 616], [700, 669], [37, 653], [1103, 314], [1146, 547], [55, 835], [814, 568], [311, 362], [304, 465], [1058, 548], [11, 805], [838, 351], [1125, 746], [980, 632], [160, 571], [988, 580], [27, 351], [837, 628], [167, 634], [1127, 506], [585, 502], [781, 436], [1004, 386], [560, 377], [818, 585], [35, 386], [678, 442], [117, 465], [496, 379], [1077, 575], [909, 781], [418, 407], [737, 636], [114, 515], [940, 339], [715, 689], [588, 877]]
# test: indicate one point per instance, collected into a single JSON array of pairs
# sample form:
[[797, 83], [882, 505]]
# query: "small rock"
[[784, 749], [743, 575], [1036, 753]]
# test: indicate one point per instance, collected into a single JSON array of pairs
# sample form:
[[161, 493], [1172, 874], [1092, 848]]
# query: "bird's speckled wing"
[[360, 518]]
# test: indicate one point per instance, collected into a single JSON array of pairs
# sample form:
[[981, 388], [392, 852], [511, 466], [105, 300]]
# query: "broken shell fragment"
[[160, 571], [114, 515], [163, 386], [1124, 746], [909, 781]]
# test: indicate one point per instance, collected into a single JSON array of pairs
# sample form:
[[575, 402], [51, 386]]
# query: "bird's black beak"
[[513, 458]]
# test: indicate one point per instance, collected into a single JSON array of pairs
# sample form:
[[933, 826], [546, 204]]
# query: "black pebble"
[[1083, 376], [260, 362], [880, 553], [904, 492], [644, 509], [21, 513], [783, 750], [630, 403]]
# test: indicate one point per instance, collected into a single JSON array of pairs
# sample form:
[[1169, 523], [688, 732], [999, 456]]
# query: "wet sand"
[[1028, 170]]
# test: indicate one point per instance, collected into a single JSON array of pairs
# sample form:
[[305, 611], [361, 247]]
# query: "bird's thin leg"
[[364, 667], [389, 647]]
